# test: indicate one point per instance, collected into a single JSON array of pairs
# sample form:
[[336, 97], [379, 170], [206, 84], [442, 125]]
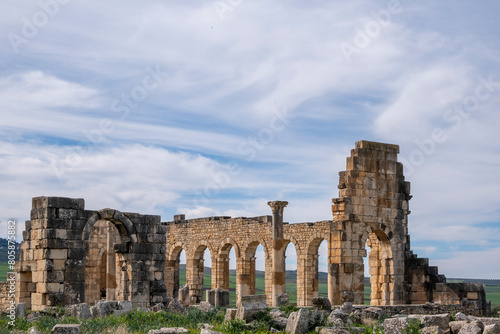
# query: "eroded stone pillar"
[[278, 251]]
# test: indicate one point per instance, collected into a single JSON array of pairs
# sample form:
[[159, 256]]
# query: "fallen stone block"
[[462, 317], [66, 329], [124, 305], [455, 326], [205, 306], [470, 328], [209, 331], [21, 310], [440, 320], [299, 322], [80, 311], [230, 314], [322, 303], [332, 330], [431, 330], [251, 305], [397, 325], [282, 299], [33, 330], [168, 330], [492, 329], [176, 306]]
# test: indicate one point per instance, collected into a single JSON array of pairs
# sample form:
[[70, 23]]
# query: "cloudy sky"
[[214, 108]]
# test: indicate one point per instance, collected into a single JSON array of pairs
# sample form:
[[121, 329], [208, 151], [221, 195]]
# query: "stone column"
[[278, 252]]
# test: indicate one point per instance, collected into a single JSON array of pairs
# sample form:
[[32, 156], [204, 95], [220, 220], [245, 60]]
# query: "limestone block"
[[250, 305], [440, 320], [124, 305], [168, 330], [299, 322], [21, 310], [431, 330], [80, 311], [322, 303], [66, 329], [176, 306], [184, 295], [282, 299], [333, 330], [455, 326], [33, 330], [208, 331], [397, 325], [470, 328], [205, 306], [104, 308], [491, 329], [230, 314]]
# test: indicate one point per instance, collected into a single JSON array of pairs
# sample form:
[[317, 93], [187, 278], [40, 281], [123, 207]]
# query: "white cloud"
[[225, 79], [481, 264]]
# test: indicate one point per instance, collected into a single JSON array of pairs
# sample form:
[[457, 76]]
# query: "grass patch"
[[134, 322]]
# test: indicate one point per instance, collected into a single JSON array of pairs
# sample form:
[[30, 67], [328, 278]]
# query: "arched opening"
[[196, 275], [380, 269], [323, 269], [247, 272], [175, 271], [291, 273], [259, 271], [225, 273], [207, 272], [312, 272], [101, 279]]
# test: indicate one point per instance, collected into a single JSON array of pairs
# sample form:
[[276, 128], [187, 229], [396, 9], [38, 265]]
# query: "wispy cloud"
[[222, 82]]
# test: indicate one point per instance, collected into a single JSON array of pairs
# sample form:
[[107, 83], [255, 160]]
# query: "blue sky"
[[214, 108]]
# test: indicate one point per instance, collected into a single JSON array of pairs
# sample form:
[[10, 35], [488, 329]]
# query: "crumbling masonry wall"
[[58, 247], [142, 255]]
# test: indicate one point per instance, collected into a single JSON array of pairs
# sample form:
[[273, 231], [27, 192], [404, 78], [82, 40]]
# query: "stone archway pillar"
[[278, 251]]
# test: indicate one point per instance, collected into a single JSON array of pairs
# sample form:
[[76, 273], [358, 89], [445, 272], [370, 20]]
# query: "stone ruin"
[[71, 255]]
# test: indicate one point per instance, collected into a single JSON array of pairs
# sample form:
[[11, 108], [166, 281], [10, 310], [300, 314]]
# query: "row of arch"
[[106, 270]]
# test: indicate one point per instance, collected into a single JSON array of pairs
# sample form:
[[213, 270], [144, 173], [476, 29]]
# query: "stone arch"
[[287, 241], [381, 264], [290, 238], [100, 279], [195, 264], [223, 247], [220, 263], [310, 269], [172, 269], [122, 223], [245, 274]]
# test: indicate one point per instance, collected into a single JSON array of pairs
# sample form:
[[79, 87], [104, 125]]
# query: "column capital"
[[277, 206]]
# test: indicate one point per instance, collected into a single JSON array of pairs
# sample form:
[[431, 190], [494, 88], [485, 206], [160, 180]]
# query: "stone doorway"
[[101, 279]]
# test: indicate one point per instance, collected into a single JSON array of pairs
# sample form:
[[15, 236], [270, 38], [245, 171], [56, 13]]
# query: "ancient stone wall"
[[70, 254], [65, 247]]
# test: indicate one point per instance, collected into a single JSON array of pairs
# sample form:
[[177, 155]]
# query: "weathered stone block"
[[66, 329], [299, 322], [169, 330], [250, 305], [80, 311], [230, 314]]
